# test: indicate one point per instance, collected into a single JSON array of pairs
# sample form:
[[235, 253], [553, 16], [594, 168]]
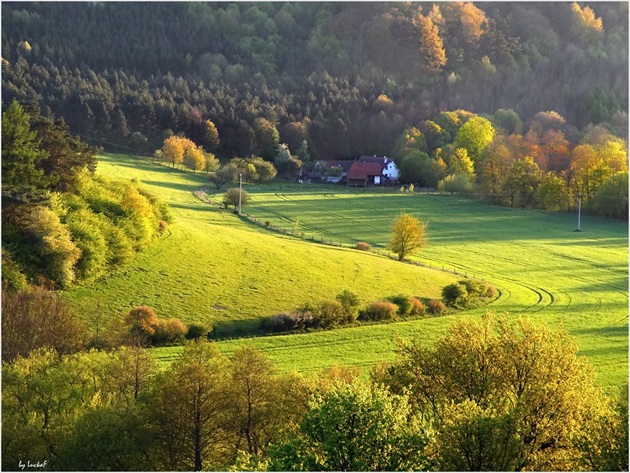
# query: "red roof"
[[364, 170]]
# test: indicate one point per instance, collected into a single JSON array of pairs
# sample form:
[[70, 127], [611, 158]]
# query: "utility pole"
[[240, 190], [579, 211]]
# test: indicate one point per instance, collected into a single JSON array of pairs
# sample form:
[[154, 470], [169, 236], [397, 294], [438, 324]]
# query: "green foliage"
[[503, 395], [508, 121], [195, 159], [105, 438], [267, 137], [12, 275], [350, 304], [231, 197], [169, 332], [379, 310], [611, 199], [211, 135], [211, 163], [552, 193], [409, 140], [86, 230], [418, 167], [456, 183], [354, 428], [603, 445], [455, 294], [404, 303], [196, 331], [53, 244], [254, 169], [474, 136], [329, 313], [225, 174], [21, 154], [262, 405], [523, 179], [460, 163], [187, 403]]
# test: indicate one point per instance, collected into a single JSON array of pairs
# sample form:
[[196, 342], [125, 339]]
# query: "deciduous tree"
[[474, 136], [408, 235], [187, 407], [355, 427], [502, 395]]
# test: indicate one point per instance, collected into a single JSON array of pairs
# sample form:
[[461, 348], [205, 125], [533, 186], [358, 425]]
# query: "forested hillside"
[[346, 77]]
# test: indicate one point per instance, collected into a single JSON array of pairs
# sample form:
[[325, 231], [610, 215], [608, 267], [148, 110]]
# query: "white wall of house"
[[391, 170]]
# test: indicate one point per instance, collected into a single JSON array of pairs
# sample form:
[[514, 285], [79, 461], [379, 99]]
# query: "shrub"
[[490, 291], [403, 302], [296, 320], [455, 294], [231, 198], [267, 223], [54, 248], [436, 307], [169, 332], [36, 318], [87, 234], [350, 303], [363, 246], [162, 226], [279, 323], [380, 310], [328, 313], [417, 307], [12, 275], [196, 331], [456, 183], [474, 288], [142, 321]]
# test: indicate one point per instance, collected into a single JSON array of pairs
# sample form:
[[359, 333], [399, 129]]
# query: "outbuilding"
[[363, 174]]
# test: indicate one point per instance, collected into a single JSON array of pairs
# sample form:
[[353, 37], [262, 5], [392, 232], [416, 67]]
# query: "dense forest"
[[346, 77]]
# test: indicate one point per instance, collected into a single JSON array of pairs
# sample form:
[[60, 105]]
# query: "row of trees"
[[490, 395], [60, 223], [546, 167]]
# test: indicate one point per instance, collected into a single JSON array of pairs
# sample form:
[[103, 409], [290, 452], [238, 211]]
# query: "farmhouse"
[[390, 170], [356, 172], [363, 174]]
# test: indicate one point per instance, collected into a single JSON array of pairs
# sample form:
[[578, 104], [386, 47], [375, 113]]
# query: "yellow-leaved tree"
[[408, 235]]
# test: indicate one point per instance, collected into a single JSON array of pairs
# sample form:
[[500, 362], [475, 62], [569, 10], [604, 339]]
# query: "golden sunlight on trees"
[[408, 235], [142, 321], [431, 45], [502, 395]]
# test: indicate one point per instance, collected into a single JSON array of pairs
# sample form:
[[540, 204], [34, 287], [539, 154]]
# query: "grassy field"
[[541, 267], [215, 268]]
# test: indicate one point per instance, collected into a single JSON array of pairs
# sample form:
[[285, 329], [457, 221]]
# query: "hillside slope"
[[213, 268]]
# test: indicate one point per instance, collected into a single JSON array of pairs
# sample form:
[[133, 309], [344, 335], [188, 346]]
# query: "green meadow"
[[215, 267]]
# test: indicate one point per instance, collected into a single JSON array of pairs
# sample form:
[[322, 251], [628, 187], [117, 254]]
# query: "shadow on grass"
[[187, 187], [619, 331]]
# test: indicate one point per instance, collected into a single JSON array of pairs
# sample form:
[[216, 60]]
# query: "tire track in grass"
[[538, 292]]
